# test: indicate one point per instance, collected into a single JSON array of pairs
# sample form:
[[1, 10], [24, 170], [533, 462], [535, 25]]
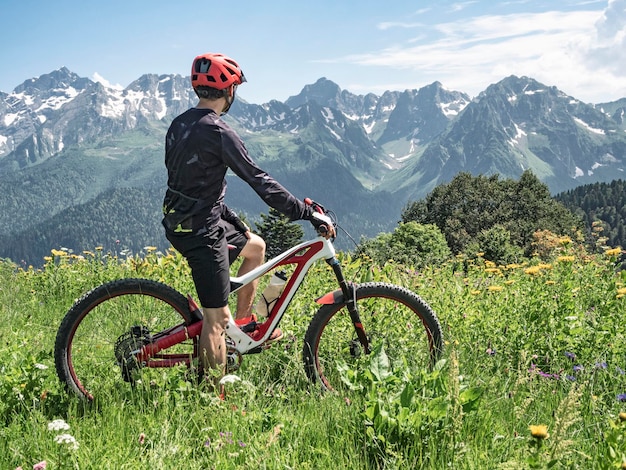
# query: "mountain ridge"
[[366, 156]]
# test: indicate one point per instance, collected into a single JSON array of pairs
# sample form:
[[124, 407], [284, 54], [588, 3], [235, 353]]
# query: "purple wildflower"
[[207, 443], [619, 370], [577, 368], [621, 397], [548, 376], [242, 444], [572, 378], [601, 365], [227, 436], [570, 355]]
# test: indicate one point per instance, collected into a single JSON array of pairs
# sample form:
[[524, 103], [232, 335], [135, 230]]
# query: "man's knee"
[[255, 248]]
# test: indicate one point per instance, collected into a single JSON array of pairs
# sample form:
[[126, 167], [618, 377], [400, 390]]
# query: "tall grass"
[[532, 377]]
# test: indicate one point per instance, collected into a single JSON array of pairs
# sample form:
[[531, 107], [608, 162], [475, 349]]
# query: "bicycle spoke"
[[86, 354], [394, 323]]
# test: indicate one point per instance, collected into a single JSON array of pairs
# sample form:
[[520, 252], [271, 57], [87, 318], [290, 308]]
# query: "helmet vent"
[[203, 66]]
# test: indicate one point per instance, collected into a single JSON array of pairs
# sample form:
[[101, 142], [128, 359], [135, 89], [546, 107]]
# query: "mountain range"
[[81, 163]]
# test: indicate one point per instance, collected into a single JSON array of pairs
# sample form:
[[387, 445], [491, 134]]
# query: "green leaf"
[[438, 408], [379, 365], [470, 398], [406, 397]]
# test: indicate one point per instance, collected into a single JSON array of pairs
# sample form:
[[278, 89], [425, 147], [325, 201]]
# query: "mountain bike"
[[123, 328]]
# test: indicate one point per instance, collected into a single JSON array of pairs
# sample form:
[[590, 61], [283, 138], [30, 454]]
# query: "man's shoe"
[[247, 324], [251, 326]]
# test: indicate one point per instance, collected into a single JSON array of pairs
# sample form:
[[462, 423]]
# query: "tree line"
[[499, 218], [602, 208], [504, 221]]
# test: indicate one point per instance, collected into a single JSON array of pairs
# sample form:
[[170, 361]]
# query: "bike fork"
[[349, 294]]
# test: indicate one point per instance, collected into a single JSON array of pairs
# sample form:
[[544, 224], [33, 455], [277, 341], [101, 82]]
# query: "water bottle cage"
[[269, 305]]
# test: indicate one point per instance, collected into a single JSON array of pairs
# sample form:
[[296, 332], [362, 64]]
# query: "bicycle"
[[123, 327]]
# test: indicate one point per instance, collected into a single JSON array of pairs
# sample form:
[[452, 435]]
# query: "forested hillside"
[[600, 202]]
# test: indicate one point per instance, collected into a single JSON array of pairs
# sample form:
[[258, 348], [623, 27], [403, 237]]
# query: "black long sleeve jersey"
[[199, 149]]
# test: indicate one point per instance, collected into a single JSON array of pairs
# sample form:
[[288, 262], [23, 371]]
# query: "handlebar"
[[322, 222], [317, 207]]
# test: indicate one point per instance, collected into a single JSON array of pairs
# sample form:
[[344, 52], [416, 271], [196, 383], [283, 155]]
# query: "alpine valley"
[[81, 163]]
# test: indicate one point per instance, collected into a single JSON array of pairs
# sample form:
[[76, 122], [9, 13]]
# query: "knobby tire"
[[394, 318], [85, 344]]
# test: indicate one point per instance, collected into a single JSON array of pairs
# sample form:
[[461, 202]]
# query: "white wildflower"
[[58, 425], [41, 366], [229, 379], [67, 439]]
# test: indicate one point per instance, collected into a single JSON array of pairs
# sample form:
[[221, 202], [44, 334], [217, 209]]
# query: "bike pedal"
[[248, 327]]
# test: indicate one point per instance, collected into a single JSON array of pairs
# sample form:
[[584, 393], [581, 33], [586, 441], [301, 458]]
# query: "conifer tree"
[[278, 232]]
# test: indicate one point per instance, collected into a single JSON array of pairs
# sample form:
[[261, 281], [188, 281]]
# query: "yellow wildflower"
[[494, 288], [566, 259], [565, 241], [475, 292], [508, 282], [622, 416], [549, 283], [533, 270], [613, 252], [539, 431]]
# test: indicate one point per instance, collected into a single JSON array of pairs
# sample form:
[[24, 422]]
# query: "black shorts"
[[209, 256]]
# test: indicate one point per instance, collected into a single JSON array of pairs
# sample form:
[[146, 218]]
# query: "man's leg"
[[253, 254], [212, 341]]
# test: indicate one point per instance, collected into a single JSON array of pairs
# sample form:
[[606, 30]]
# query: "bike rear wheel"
[[394, 318], [96, 339]]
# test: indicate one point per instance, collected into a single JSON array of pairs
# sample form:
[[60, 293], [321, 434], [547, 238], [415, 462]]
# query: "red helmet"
[[215, 71]]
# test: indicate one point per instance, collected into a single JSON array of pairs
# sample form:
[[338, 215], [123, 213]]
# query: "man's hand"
[[323, 225], [331, 233]]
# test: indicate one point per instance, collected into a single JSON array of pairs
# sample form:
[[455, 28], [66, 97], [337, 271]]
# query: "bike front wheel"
[[100, 333], [396, 321]]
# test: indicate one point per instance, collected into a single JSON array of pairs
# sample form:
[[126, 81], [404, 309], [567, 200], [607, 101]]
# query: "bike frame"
[[303, 256]]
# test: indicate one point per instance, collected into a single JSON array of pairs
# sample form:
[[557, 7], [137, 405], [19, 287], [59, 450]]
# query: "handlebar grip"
[[317, 207]]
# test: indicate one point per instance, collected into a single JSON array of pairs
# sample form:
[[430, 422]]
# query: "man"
[[199, 149]]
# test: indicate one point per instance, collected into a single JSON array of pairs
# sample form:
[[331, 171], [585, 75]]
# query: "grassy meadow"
[[533, 376]]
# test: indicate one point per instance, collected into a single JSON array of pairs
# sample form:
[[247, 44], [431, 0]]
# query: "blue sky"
[[364, 46]]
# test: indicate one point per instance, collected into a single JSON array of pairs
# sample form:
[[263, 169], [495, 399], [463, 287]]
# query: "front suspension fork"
[[348, 290]]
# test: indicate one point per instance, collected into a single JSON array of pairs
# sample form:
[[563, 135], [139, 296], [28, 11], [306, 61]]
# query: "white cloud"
[[609, 51], [96, 77], [461, 5], [581, 52]]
